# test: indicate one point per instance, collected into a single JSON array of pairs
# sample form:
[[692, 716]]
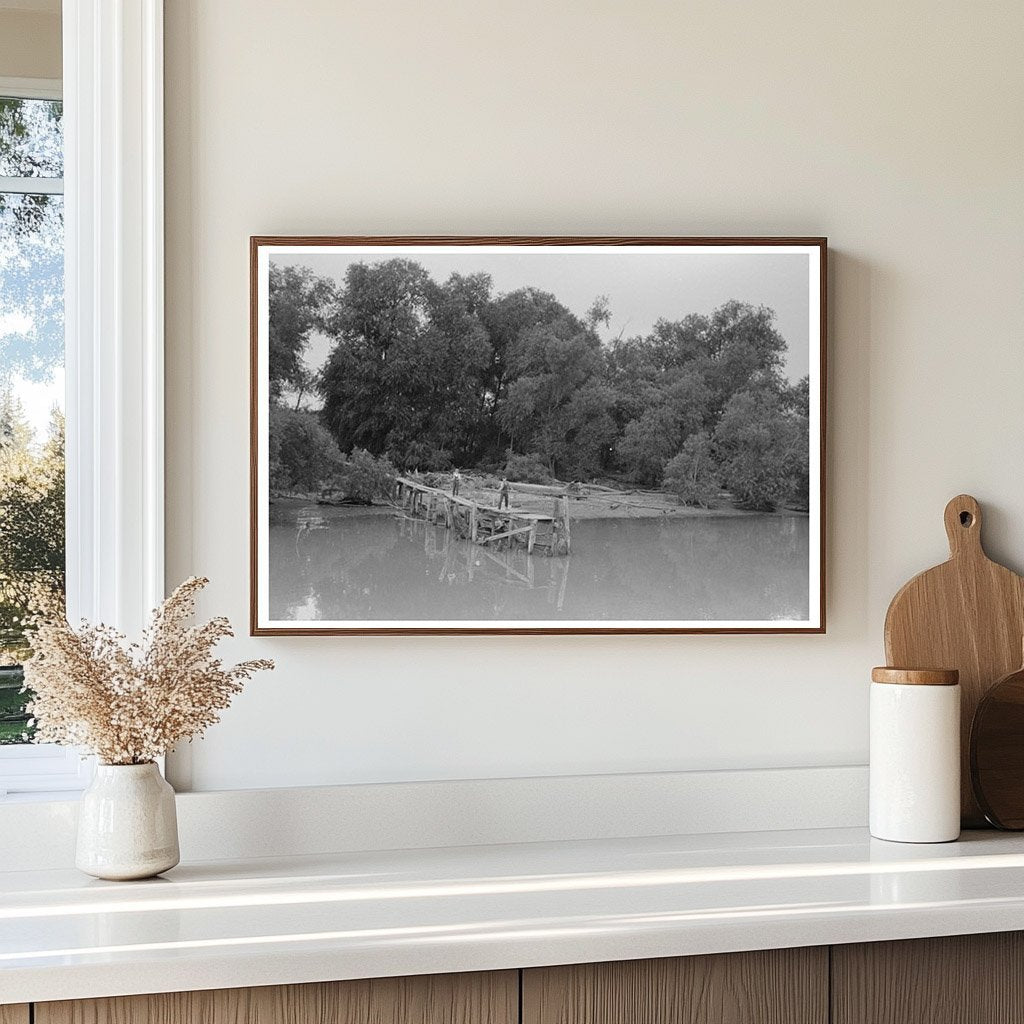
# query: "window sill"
[[42, 771], [41, 797]]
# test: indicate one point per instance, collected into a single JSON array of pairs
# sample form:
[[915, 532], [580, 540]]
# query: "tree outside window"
[[32, 541]]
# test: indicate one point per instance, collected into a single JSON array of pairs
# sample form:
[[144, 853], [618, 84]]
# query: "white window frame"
[[113, 222], [32, 88]]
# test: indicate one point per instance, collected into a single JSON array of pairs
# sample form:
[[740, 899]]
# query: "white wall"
[[895, 129]]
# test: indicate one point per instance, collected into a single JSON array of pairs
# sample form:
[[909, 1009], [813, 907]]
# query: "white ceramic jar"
[[915, 755], [127, 823]]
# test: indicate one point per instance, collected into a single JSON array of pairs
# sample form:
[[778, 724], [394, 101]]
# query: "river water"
[[331, 564]]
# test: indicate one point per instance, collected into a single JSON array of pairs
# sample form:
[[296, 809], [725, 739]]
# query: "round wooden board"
[[997, 752]]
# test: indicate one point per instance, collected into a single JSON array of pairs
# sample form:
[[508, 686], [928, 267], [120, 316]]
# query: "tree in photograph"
[[303, 455], [599, 314], [758, 442], [407, 363], [797, 401], [556, 403], [422, 456], [585, 433], [677, 406], [379, 309], [435, 375], [647, 444], [638, 367], [797, 397], [736, 347], [507, 318], [362, 478], [528, 469], [798, 467], [298, 298], [745, 351], [302, 385], [693, 475], [437, 372]]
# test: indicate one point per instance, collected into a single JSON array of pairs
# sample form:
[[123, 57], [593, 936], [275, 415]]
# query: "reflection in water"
[[328, 563]]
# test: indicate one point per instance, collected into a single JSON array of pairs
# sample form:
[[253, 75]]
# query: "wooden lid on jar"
[[916, 676]]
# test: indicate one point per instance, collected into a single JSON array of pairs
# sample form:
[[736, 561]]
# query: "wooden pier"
[[499, 569], [486, 524]]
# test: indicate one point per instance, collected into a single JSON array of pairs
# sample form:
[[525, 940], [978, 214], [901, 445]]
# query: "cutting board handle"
[[963, 526]]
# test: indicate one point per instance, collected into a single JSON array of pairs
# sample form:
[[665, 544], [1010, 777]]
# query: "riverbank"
[[654, 505], [592, 502], [287, 503]]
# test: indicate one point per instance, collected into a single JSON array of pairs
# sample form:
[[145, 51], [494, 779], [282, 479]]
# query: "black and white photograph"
[[549, 435]]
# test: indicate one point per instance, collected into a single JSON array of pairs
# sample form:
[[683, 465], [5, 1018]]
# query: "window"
[[31, 383], [111, 206], [32, 531]]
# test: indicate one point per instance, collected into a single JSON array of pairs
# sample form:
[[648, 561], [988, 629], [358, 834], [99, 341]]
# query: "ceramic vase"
[[127, 825]]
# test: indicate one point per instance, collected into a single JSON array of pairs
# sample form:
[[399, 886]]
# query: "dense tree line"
[[430, 375], [31, 525]]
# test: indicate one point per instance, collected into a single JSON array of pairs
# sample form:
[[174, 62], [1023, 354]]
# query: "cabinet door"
[[962, 979], [14, 1014], [778, 986], [490, 998]]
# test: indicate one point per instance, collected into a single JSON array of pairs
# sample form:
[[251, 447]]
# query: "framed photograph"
[[537, 435]]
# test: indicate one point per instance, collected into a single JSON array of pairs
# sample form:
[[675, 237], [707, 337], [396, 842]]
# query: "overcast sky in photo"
[[641, 288]]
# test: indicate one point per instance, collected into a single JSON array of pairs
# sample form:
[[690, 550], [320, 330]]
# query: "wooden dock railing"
[[488, 524]]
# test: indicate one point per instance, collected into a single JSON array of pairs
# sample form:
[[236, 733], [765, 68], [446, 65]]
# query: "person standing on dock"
[[503, 493], [456, 482]]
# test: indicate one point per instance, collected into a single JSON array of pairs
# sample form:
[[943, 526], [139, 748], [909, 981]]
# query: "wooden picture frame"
[[687, 402]]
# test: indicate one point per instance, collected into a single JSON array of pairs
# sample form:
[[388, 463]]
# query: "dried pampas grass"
[[130, 703]]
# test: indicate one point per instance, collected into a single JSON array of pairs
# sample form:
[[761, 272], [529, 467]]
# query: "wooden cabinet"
[[962, 979], [491, 998], [967, 979], [778, 986]]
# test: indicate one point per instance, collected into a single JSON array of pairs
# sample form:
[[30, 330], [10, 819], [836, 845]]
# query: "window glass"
[[31, 388], [31, 138]]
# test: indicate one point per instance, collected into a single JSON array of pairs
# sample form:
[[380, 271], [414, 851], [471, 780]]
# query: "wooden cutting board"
[[967, 614]]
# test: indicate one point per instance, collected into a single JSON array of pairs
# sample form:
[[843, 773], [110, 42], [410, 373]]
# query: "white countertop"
[[298, 919]]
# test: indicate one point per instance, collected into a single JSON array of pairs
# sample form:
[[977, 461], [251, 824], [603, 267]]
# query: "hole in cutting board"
[[966, 519]]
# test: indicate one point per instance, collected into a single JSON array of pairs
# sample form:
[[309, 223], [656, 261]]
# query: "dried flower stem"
[[129, 703]]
